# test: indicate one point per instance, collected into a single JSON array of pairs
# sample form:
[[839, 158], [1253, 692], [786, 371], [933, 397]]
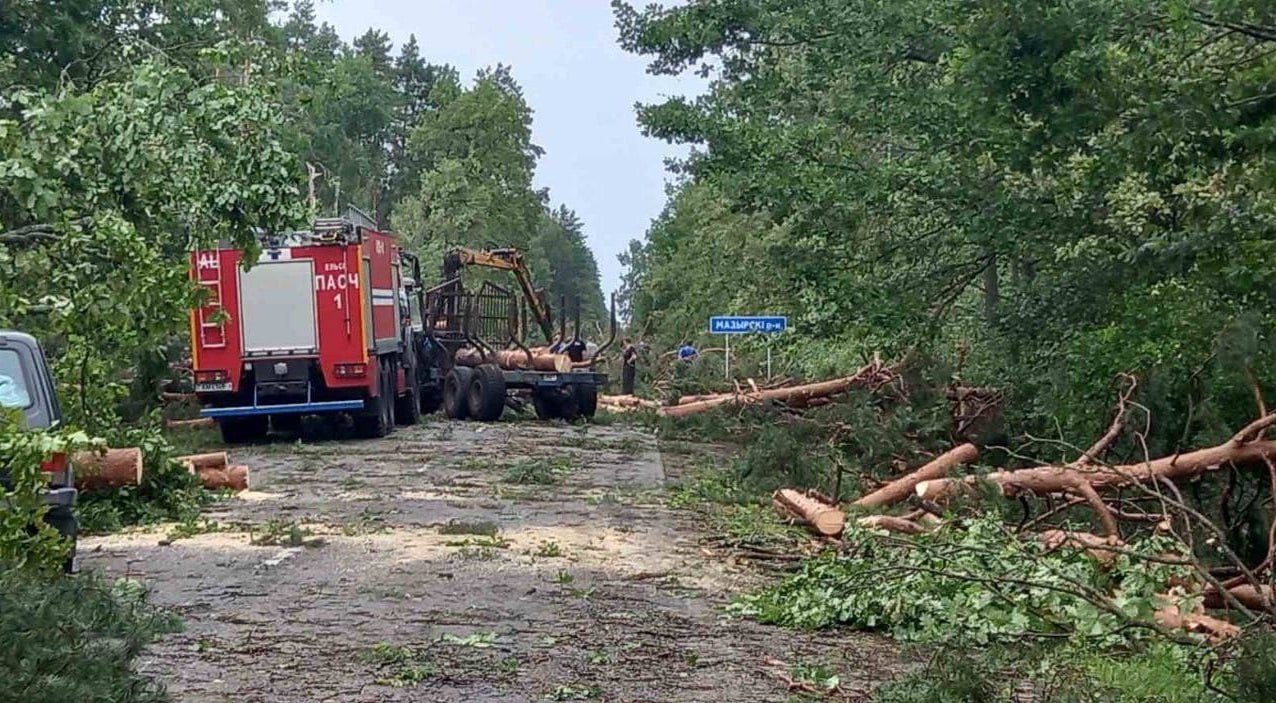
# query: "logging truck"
[[320, 322]]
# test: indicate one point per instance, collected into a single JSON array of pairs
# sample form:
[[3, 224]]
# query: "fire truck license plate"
[[212, 387]]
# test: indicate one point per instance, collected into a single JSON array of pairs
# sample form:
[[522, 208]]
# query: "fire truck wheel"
[[378, 415], [487, 393], [407, 408], [586, 399], [455, 391], [243, 430]]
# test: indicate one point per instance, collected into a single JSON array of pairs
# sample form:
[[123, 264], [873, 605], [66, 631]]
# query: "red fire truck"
[[320, 323]]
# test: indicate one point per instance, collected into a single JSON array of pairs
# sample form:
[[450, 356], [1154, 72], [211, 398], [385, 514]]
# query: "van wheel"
[[456, 391], [486, 398]]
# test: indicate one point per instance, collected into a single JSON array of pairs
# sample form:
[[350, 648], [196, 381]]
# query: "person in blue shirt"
[[687, 352]]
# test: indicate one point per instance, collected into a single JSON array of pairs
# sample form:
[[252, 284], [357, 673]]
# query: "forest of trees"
[[1063, 191]]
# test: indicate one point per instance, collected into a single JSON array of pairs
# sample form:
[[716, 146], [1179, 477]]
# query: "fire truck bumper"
[[287, 409]]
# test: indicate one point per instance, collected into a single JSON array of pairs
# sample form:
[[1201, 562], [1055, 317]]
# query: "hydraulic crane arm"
[[505, 260]]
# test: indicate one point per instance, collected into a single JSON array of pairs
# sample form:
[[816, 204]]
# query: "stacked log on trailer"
[[540, 359]]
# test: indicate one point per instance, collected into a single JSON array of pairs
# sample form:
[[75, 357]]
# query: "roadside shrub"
[[946, 678], [25, 540], [76, 639]]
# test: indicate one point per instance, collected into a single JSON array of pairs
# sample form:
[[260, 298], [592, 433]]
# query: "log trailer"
[[479, 358], [320, 323]]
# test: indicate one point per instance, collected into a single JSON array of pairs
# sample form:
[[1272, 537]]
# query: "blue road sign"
[[735, 324]]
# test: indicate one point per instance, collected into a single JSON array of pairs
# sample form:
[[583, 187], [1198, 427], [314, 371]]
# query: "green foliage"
[[954, 678], [104, 191], [76, 639], [1159, 673], [1256, 668], [542, 471], [407, 665], [26, 541], [575, 692], [475, 160], [975, 584]]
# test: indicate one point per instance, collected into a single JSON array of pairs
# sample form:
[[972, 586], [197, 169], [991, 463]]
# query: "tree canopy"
[[1063, 191]]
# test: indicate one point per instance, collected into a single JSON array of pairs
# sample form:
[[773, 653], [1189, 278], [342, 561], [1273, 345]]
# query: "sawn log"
[[821, 517], [113, 469]]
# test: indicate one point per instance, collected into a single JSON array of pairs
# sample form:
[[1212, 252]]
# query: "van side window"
[[13, 384]]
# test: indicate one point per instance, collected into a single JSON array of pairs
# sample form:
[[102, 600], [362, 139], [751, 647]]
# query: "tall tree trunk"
[[992, 291]]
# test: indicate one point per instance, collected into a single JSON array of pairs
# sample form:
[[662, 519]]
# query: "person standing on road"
[[629, 371]]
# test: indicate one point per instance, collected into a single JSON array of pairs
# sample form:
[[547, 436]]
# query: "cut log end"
[[824, 519]]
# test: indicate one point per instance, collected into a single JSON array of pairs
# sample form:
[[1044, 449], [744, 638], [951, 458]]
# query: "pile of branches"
[[923, 501]]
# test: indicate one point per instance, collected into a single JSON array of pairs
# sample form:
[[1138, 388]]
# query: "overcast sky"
[[580, 83]]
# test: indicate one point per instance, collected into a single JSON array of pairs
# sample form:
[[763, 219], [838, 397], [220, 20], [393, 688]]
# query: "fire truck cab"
[[319, 323]]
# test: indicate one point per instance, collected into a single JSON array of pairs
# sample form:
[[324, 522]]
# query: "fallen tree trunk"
[[1045, 480], [1250, 596], [823, 518], [233, 477], [197, 423], [516, 359], [627, 401], [115, 468], [1214, 629], [868, 376], [891, 524], [939, 467], [196, 462], [1102, 549]]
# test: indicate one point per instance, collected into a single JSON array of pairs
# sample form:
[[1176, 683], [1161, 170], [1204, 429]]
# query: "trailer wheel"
[[431, 400], [568, 407], [555, 403], [455, 391], [487, 393], [378, 415], [586, 399], [546, 408], [244, 430]]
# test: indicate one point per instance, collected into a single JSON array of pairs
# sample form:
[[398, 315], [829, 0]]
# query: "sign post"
[[737, 324]]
